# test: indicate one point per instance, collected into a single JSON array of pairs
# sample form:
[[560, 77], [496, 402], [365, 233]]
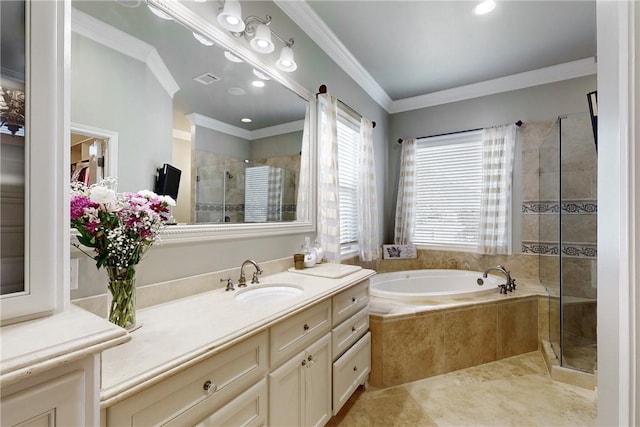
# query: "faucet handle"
[[229, 284], [255, 279]]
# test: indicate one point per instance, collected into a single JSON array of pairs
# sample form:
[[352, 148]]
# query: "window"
[[448, 190], [348, 138]]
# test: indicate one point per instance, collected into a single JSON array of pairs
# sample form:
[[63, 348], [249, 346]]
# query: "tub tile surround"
[[412, 342], [166, 343], [514, 391]]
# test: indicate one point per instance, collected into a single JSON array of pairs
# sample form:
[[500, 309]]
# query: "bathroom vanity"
[[216, 359]]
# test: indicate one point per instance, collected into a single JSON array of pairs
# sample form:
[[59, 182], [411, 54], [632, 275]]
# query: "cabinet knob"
[[353, 329], [209, 387], [304, 362], [305, 327], [354, 299], [355, 368]]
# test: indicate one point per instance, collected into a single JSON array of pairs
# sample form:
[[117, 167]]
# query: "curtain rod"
[[323, 89], [518, 123]]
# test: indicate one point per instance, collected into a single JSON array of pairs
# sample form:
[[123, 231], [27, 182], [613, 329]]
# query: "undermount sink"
[[268, 293]]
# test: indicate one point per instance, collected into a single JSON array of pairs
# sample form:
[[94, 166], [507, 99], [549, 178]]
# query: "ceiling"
[[413, 48]]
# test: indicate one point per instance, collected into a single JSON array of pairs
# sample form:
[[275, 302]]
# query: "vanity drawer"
[[294, 334], [349, 331], [351, 370], [248, 409], [198, 391], [348, 302]]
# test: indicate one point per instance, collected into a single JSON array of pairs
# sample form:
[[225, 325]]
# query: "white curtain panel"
[[497, 171], [328, 190], [302, 201], [367, 196], [406, 201]]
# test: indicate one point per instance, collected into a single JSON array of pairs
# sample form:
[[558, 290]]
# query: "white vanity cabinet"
[[351, 353], [300, 390], [199, 392], [60, 401]]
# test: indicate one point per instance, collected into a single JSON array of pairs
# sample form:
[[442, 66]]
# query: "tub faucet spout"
[[510, 284], [242, 281]]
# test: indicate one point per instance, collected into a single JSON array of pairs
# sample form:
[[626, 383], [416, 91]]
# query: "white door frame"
[[111, 138]]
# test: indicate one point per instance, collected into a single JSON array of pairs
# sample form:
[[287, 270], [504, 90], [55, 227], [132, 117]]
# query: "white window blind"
[[348, 136], [448, 190]]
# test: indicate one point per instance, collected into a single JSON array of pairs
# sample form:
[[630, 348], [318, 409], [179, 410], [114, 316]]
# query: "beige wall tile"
[[412, 349], [517, 328], [470, 337]]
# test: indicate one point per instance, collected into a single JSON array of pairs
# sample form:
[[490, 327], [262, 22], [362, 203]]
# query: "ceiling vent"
[[207, 78]]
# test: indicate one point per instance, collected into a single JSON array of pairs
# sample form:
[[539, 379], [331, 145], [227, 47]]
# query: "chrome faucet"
[[509, 286], [242, 281]]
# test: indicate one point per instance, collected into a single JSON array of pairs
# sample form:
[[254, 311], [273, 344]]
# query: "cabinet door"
[[317, 408], [286, 392], [59, 402]]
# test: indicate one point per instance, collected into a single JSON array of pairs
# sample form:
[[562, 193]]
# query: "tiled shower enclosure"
[[567, 211]]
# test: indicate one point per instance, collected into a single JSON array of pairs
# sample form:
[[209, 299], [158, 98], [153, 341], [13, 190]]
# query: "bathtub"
[[420, 285]]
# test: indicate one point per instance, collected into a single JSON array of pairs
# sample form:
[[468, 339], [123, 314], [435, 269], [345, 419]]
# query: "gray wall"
[[114, 92], [217, 142], [287, 144], [529, 105]]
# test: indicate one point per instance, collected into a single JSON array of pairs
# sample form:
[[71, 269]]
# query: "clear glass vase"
[[122, 287]]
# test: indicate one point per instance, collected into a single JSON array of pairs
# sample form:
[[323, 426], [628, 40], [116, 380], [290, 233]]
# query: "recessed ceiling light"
[[484, 7], [245, 120], [238, 91], [258, 83], [231, 57], [259, 74]]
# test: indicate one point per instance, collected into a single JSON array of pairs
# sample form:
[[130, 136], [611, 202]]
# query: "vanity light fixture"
[[202, 39], [246, 120], [262, 76], [257, 83], [230, 16], [484, 7], [231, 57], [286, 62], [261, 41], [258, 32], [159, 13]]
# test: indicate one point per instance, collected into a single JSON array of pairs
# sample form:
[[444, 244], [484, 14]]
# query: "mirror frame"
[[204, 232]]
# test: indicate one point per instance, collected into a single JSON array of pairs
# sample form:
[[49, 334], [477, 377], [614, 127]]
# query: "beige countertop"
[[181, 333], [31, 347]]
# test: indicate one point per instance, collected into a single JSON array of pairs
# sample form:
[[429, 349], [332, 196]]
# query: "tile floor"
[[516, 391]]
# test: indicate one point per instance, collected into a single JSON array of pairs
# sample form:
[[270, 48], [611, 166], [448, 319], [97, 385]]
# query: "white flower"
[[147, 194], [168, 200], [99, 194]]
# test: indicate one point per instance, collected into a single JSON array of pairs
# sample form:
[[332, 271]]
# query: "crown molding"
[[541, 76], [100, 32], [302, 14], [250, 135], [309, 21]]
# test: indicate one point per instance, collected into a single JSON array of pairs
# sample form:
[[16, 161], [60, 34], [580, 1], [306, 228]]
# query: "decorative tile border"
[[574, 250], [568, 207]]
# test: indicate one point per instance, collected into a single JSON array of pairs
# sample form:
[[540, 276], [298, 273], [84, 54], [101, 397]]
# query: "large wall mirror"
[[148, 91], [12, 146]]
